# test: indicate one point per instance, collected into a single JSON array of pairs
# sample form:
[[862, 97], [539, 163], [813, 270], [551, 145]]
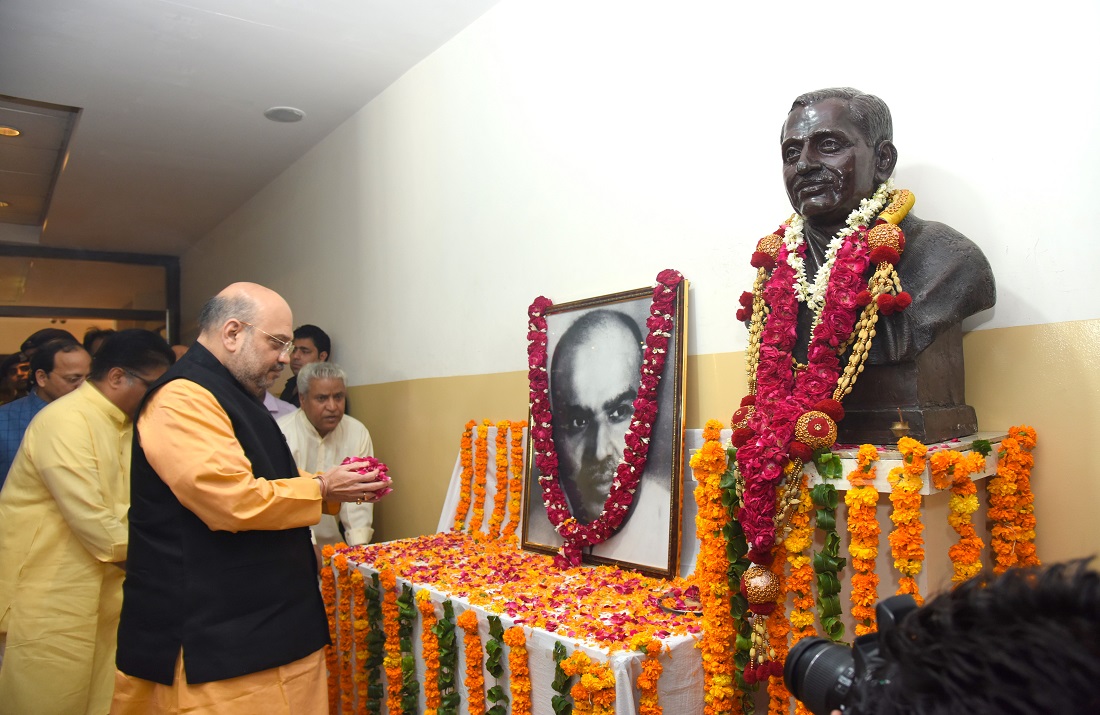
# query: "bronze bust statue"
[[837, 149]]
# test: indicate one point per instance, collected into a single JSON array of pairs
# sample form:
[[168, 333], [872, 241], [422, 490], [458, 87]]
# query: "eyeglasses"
[[285, 346], [131, 373]]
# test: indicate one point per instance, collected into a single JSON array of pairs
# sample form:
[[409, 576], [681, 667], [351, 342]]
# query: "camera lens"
[[819, 673]]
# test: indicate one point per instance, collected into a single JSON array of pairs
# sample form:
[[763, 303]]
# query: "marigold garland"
[[519, 672], [906, 540], [515, 483], [481, 468], [864, 531], [648, 700], [361, 626], [429, 647], [1011, 507], [344, 629], [391, 624], [779, 698], [500, 497], [951, 469], [801, 577], [328, 593], [1025, 517], [475, 677], [594, 690], [719, 633], [466, 458]]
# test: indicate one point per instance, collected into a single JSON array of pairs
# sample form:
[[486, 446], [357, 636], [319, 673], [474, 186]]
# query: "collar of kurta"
[[198, 354], [91, 393]]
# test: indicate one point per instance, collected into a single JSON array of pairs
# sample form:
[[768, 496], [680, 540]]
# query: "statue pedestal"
[[929, 394]]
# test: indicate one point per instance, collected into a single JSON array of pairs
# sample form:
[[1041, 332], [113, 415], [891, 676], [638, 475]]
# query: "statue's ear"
[[886, 158]]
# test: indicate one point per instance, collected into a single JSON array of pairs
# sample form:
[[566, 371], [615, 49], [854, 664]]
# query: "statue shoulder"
[[925, 238], [936, 251], [949, 279]]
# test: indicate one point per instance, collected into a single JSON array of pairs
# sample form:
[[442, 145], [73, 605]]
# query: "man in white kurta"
[[63, 536], [321, 436]]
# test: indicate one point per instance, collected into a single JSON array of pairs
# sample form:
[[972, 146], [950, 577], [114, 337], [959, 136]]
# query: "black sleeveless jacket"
[[236, 602]]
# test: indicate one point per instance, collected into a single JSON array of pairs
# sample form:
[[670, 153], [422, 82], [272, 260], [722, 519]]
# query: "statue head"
[[837, 148]]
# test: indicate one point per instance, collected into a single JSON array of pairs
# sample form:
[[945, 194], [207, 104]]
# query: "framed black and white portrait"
[[594, 354]]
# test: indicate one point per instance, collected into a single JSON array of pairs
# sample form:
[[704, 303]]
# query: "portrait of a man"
[[594, 362], [595, 373]]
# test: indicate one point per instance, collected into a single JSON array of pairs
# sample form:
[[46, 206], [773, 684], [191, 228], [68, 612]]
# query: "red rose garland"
[[631, 466], [792, 410]]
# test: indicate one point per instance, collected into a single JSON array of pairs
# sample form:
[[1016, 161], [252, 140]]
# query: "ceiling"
[[171, 136]]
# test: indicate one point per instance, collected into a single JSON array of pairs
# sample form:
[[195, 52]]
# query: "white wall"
[[573, 149]]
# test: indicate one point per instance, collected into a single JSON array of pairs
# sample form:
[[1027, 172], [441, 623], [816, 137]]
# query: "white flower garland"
[[814, 297]]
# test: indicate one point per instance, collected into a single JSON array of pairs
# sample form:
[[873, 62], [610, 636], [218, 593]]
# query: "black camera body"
[[827, 676]]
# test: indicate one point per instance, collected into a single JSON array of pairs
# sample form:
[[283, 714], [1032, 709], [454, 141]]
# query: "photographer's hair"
[[867, 111], [319, 337], [221, 308], [46, 356], [319, 371], [1027, 641], [135, 349]]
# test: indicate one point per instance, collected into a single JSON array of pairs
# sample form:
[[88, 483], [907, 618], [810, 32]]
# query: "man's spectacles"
[[285, 346], [131, 373]]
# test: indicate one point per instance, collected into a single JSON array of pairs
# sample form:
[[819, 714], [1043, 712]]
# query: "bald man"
[[595, 373], [221, 607]]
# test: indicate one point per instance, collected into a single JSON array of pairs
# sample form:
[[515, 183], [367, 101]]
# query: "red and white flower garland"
[[793, 410], [629, 471]]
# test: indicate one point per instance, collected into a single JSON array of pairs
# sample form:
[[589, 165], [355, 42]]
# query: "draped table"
[[680, 687], [581, 619]]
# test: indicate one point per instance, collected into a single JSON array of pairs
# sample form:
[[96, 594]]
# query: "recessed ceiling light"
[[9, 132], [285, 114]]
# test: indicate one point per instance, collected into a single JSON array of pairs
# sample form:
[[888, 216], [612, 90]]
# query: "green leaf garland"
[[494, 649], [562, 703], [376, 646], [828, 562], [448, 660], [406, 619]]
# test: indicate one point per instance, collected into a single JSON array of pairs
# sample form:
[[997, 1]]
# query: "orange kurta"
[[188, 439]]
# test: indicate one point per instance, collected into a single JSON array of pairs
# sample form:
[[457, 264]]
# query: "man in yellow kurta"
[[222, 610], [63, 536]]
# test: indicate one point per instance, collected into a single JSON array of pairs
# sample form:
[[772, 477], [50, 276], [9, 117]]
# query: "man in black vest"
[[221, 607]]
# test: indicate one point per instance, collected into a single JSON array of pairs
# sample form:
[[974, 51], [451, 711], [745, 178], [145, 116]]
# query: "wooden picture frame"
[[590, 361]]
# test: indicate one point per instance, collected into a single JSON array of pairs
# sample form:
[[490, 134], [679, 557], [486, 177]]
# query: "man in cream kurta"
[[63, 536], [321, 436]]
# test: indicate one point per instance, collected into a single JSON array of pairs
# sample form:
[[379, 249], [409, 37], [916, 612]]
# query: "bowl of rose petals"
[[367, 464], [682, 600]]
